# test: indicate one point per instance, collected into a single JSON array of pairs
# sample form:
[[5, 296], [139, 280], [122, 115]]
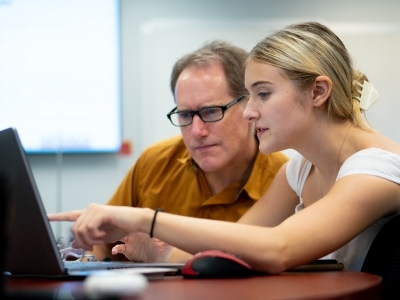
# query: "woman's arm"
[[276, 205], [354, 202]]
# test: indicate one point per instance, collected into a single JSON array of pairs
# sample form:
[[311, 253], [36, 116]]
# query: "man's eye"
[[184, 115], [210, 111]]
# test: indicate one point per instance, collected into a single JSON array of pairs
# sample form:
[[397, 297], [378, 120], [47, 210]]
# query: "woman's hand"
[[139, 246], [100, 224]]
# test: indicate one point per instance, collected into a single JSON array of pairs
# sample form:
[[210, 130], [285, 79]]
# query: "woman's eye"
[[264, 95]]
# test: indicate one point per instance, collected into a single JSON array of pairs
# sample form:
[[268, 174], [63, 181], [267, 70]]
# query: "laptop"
[[31, 246]]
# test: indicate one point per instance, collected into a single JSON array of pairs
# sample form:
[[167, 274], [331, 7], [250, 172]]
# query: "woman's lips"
[[260, 131]]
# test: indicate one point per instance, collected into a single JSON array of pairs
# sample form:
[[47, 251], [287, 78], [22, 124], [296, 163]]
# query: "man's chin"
[[209, 165]]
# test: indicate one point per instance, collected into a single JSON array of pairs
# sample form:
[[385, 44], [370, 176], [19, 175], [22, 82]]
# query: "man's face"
[[215, 145]]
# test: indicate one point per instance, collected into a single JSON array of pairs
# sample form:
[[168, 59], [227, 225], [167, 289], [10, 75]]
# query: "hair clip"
[[368, 95]]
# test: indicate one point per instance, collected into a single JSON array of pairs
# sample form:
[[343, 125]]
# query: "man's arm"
[[140, 247]]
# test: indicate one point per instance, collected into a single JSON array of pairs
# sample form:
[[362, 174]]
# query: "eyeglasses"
[[207, 114]]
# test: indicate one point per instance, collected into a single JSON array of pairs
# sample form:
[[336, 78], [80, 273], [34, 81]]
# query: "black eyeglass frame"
[[197, 112]]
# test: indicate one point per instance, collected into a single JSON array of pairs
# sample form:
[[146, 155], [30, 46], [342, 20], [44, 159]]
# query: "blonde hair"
[[307, 50]]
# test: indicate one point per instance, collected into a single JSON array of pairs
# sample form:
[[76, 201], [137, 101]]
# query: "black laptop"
[[31, 245]]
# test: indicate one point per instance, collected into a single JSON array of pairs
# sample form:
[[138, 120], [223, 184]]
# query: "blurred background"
[[153, 34]]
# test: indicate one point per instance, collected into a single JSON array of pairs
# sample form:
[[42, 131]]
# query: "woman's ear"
[[322, 88]]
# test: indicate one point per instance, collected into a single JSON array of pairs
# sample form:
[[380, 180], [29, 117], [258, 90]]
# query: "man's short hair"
[[231, 57]]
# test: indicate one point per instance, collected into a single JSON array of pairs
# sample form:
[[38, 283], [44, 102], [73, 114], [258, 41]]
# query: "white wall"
[[156, 32]]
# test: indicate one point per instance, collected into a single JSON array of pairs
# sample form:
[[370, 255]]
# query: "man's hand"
[[140, 247]]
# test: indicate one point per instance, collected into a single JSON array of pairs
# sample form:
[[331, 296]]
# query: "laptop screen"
[[31, 246]]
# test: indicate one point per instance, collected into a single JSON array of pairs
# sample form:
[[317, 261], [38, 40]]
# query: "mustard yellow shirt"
[[165, 177]]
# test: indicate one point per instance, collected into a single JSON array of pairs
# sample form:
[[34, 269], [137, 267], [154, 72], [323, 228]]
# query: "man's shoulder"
[[269, 164], [175, 142], [167, 148], [275, 157]]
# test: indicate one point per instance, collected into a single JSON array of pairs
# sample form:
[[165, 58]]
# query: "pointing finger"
[[65, 216]]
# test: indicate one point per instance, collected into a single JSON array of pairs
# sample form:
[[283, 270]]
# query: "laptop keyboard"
[[106, 265]]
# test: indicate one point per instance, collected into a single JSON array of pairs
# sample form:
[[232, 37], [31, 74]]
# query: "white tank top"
[[372, 161]]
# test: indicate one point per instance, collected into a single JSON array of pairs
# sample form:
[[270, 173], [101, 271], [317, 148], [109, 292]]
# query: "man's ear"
[[322, 88]]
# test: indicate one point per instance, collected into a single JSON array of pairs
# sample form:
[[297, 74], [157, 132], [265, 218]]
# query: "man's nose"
[[199, 128]]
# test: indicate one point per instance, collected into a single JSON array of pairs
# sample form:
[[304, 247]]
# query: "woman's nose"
[[249, 113]]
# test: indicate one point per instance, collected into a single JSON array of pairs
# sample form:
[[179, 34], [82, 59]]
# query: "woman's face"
[[280, 112]]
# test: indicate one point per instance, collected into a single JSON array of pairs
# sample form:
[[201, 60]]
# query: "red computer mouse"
[[215, 264]]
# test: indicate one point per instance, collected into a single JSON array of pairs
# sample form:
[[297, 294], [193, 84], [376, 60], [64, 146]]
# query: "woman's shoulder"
[[373, 155], [371, 144], [373, 161], [376, 140]]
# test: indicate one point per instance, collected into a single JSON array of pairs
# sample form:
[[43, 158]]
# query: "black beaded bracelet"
[[154, 220]]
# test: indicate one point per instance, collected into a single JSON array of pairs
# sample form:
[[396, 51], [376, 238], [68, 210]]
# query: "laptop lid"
[[32, 246]]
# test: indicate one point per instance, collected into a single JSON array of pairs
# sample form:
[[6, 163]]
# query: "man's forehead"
[[196, 103], [210, 70], [197, 87]]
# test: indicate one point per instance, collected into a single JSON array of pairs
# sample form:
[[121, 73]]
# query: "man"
[[214, 170]]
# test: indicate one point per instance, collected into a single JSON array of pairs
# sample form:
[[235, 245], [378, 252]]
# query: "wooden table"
[[307, 285]]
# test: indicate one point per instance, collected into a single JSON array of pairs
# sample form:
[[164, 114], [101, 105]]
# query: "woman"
[[330, 200]]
